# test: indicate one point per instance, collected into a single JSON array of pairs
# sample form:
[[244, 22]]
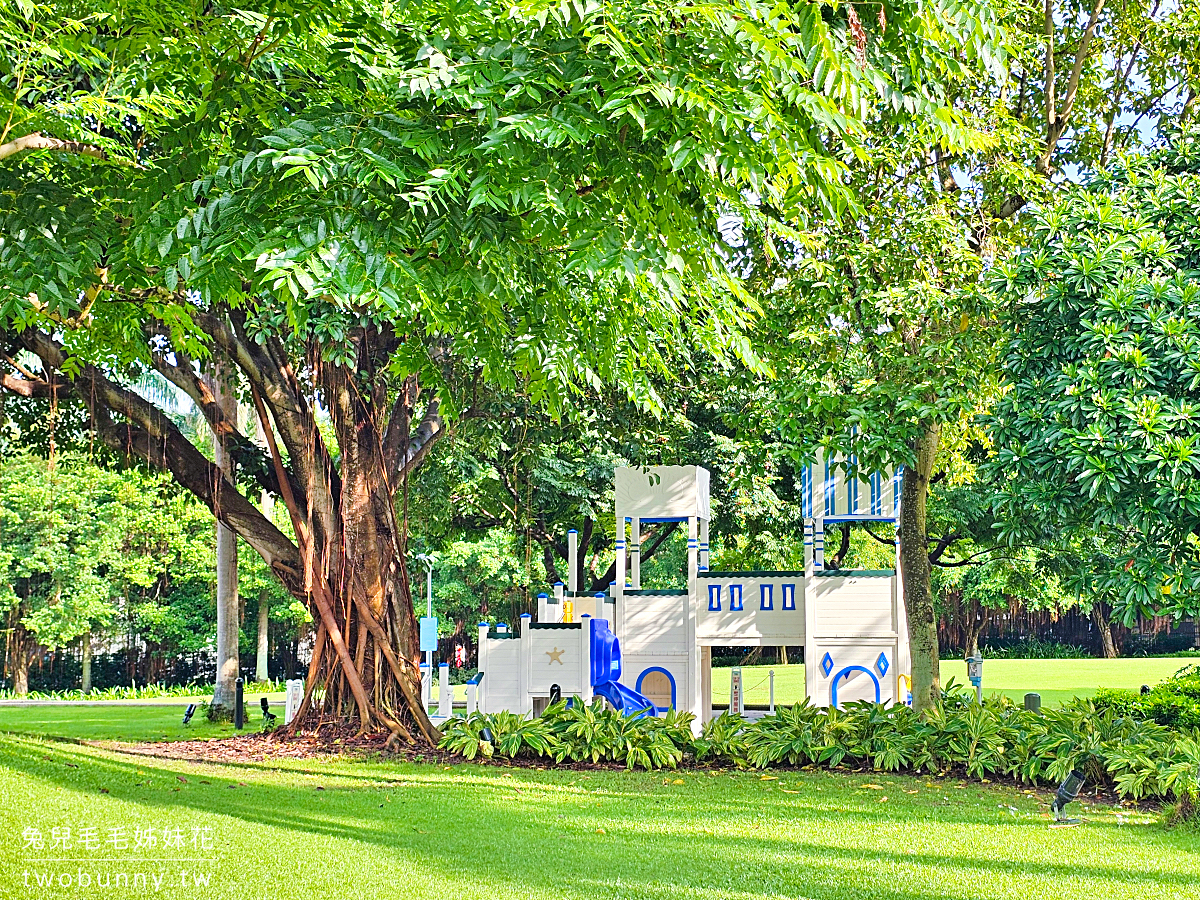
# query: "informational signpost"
[[429, 634], [292, 699], [736, 701]]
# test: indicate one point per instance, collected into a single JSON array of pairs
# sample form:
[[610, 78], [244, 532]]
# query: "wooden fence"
[[1158, 634]]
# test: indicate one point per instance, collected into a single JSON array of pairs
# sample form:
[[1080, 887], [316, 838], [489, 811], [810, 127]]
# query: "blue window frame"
[[714, 598], [735, 597], [789, 596], [766, 600]]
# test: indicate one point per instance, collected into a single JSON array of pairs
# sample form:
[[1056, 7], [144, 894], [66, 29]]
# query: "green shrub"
[[1111, 745], [1174, 702], [574, 732], [1028, 648], [722, 738]]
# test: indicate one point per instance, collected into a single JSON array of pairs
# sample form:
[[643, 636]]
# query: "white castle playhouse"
[[641, 648]]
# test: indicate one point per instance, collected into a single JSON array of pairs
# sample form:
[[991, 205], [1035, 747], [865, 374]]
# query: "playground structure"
[[851, 624]]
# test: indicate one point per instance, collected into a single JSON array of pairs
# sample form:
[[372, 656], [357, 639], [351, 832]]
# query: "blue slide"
[[606, 672], [625, 699]]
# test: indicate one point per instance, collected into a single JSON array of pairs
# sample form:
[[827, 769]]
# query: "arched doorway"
[[658, 686], [850, 684]]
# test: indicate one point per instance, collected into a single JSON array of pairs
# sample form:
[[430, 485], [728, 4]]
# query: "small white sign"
[[737, 704], [292, 699]]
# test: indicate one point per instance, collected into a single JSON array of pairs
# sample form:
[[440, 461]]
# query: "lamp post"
[[427, 559]]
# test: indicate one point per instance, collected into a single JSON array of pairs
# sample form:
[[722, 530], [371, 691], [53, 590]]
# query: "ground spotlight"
[[1066, 793]]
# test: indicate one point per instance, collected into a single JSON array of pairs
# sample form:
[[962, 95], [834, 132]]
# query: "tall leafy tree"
[[1097, 434], [59, 538], [884, 333], [878, 326], [372, 211]]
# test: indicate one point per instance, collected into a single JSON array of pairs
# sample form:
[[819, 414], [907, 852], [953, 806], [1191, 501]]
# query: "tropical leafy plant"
[[1136, 757], [722, 738]]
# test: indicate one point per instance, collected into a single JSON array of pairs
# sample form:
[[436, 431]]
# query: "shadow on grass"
[[481, 821]]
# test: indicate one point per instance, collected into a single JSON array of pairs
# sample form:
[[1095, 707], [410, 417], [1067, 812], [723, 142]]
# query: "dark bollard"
[[239, 706], [1033, 702]]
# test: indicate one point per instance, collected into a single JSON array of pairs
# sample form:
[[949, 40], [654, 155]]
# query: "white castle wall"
[[750, 609]]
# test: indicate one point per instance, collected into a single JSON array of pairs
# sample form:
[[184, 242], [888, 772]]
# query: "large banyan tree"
[[361, 218]]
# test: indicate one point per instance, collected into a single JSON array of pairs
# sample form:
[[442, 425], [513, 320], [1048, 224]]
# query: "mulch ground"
[[326, 739]]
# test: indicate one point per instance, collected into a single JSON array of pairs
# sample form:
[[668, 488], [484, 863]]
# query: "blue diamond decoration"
[[882, 664], [827, 664]]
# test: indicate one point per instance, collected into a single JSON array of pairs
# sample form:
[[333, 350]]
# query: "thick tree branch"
[[1056, 117], [276, 383], [249, 456], [548, 560], [887, 542], [1049, 32], [151, 435], [835, 562], [430, 430], [399, 424], [280, 392], [970, 560], [39, 141], [1081, 53], [940, 547], [27, 387]]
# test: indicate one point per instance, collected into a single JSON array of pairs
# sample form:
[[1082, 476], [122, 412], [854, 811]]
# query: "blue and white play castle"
[[638, 648]]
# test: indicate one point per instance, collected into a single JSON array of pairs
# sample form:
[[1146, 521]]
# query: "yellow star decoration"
[[555, 656]]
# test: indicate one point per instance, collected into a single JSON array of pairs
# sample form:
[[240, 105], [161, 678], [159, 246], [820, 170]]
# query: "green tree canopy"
[[91, 549], [377, 210], [1098, 431]]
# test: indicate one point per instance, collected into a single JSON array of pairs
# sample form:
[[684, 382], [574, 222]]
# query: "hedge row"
[[1174, 702], [1136, 757]]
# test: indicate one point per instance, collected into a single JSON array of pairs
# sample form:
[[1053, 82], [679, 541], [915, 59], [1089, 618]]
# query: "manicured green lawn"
[[341, 828], [117, 721], [1055, 679]]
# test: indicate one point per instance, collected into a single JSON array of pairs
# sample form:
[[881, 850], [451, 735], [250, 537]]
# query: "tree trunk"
[[228, 662], [975, 626], [260, 667], [21, 647], [971, 644], [21, 675], [915, 570], [1100, 616], [354, 572], [267, 504], [783, 655], [348, 509], [87, 662]]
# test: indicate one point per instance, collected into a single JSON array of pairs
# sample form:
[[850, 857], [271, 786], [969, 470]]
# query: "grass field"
[[116, 721], [353, 829], [1055, 679]]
